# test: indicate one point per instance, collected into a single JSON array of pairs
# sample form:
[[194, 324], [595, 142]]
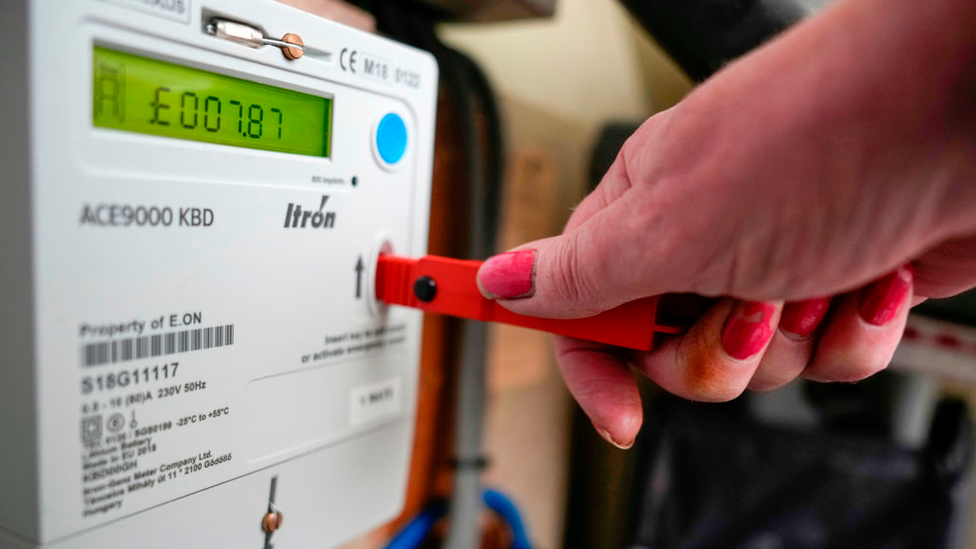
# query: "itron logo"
[[298, 218]]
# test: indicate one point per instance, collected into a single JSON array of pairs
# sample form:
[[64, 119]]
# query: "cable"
[[464, 529], [415, 531], [494, 145], [506, 509], [413, 534]]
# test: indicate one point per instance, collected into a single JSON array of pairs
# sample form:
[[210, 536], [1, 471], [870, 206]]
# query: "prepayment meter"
[[194, 196]]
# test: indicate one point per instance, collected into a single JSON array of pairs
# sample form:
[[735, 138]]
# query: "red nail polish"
[[748, 329], [881, 300], [508, 275], [801, 318]]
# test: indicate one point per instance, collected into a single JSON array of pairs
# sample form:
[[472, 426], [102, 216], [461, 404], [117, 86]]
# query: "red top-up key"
[[448, 286]]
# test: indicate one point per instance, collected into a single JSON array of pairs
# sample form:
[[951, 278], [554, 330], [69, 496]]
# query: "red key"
[[448, 286]]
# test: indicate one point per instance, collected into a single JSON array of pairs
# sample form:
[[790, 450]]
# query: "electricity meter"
[[195, 194]]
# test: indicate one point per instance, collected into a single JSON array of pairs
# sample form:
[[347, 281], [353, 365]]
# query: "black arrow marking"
[[359, 277]]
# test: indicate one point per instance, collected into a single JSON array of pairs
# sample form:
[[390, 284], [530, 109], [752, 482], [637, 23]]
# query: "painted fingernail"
[[801, 318], [748, 329], [880, 300], [606, 436], [508, 275]]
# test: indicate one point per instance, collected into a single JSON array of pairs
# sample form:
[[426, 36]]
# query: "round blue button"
[[391, 138]]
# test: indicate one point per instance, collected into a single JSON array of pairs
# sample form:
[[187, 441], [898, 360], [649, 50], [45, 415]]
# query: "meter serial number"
[[125, 378]]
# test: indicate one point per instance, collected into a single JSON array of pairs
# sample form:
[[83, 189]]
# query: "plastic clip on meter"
[[189, 349]]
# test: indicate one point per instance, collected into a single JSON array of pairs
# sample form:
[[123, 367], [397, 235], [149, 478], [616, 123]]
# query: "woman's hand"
[[823, 185]]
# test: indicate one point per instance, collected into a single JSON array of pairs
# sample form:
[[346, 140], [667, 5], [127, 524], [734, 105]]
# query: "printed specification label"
[[134, 411]]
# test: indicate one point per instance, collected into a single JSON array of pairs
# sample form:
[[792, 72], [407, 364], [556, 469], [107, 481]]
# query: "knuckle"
[[569, 281]]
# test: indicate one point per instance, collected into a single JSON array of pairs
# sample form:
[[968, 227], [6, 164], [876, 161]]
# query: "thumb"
[[602, 263]]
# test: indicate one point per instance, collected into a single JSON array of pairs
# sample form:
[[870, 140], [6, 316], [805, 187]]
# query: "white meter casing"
[[181, 353]]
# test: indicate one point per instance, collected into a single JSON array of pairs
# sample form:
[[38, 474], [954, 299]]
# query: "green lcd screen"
[[143, 95]]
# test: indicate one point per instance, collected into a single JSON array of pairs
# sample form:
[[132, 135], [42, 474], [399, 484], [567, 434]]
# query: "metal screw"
[[271, 521], [293, 53], [425, 288]]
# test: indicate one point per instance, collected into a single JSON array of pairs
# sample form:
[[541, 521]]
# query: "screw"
[[293, 53], [272, 521], [425, 288]]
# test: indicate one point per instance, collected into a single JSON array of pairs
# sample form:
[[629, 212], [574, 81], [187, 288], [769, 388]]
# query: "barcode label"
[[171, 343]]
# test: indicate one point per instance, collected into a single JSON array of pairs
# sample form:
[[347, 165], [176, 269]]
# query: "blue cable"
[[414, 533], [506, 509]]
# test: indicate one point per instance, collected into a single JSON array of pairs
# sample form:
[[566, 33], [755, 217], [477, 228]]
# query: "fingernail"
[[508, 275], [801, 318], [748, 328], [606, 436], [880, 301]]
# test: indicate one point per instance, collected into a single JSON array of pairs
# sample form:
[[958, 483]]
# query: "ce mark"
[[348, 59]]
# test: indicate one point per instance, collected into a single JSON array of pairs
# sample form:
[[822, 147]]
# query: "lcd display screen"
[[138, 94]]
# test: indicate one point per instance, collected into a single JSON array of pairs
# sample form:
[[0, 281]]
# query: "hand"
[[823, 185]]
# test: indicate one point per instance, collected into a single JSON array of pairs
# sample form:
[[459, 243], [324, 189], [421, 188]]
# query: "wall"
[[579, 65]]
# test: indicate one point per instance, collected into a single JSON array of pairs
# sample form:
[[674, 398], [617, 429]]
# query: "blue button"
[[391, 138]]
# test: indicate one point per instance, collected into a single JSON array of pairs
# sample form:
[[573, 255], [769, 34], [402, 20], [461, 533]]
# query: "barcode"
[[171, 343]]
